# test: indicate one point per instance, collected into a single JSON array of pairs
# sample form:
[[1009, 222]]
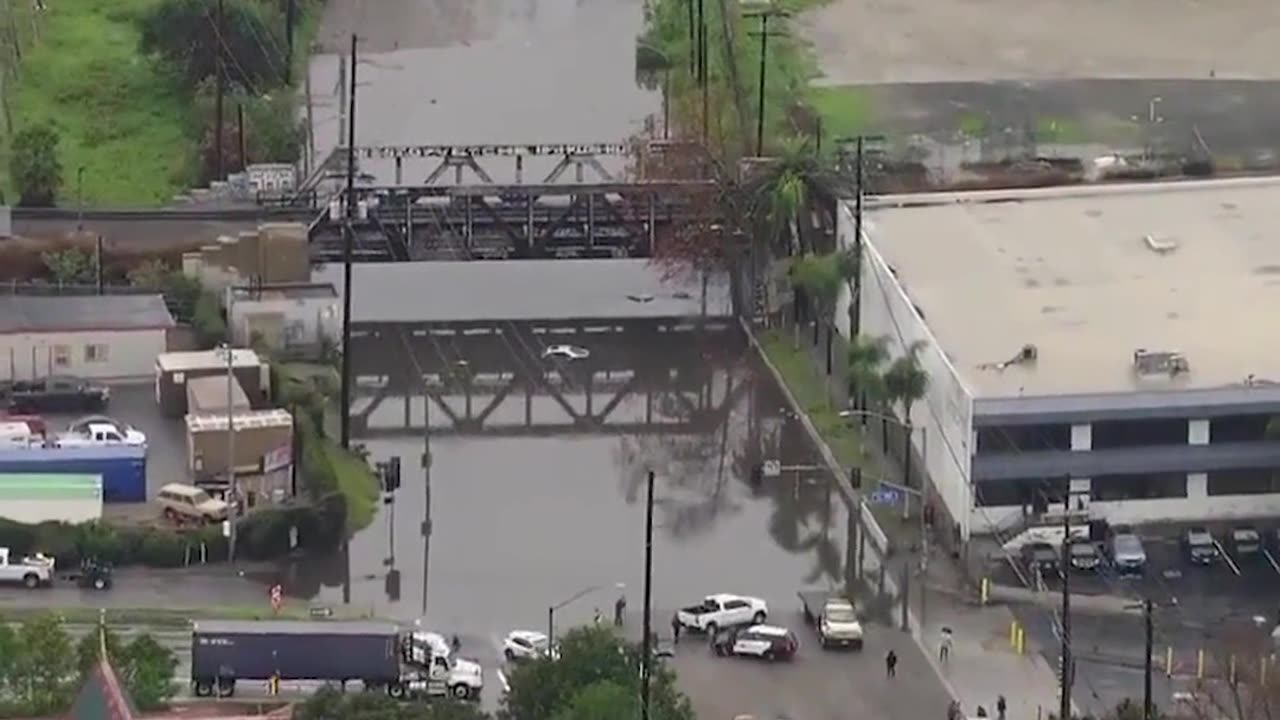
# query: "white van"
[[17, 434]]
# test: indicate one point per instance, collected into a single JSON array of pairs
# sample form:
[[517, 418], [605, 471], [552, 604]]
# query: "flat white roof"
[[206, 359], [1090, 274]]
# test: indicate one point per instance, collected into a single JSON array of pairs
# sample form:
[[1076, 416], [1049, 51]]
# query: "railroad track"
[[166, 214]]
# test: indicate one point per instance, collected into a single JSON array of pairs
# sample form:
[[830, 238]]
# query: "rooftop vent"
[[1155, 362]]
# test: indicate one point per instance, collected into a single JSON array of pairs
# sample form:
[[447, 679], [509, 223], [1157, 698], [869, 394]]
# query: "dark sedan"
[[54, 395]]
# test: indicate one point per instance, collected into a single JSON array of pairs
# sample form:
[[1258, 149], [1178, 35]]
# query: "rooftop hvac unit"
[[1153, 362]]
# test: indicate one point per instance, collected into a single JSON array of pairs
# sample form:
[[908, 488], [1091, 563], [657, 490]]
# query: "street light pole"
[[345, 403], [764, 16], [232, 495], [1148, 711], [647, 659], [1064, 708]]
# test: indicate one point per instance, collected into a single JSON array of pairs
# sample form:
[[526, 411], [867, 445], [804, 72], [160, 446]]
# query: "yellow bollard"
[[1262, 670], [1200, 664], [1013, 634], [984, 592], [1168, 661], [1231, 672], [1022, 641]]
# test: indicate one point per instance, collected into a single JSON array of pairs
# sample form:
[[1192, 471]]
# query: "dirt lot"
[[876, 41]]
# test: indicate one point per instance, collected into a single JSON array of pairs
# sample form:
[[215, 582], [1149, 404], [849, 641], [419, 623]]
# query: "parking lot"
[[1194, 604]]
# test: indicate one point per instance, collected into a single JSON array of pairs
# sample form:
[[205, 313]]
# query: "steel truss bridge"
[[474, 217], [495, 381]]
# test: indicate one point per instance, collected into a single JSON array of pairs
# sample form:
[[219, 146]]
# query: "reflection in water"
[[517, 520]]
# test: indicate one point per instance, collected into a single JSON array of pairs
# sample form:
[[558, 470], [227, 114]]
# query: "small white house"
[[104, 337], [297, 317]]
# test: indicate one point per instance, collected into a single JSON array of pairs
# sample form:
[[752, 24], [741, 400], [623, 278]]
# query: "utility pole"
[[290, 17], [244, 154], [646, 647], [219, 83], [764, 16], [426, 500], [346, 253], [693, 43], [1148, 709], [232, 495], [80, 199], [703, 74], [1064, 708], [855, 310]]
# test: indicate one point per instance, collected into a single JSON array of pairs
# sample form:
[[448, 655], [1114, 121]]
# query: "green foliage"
[[146, 668], [119, 545], [822, 275], [44, 666], [183, 32], [8, 661], [865, 362], [34, 167], [329, 703], [207, 321], [70, 267], [596, 672], [905, 381]]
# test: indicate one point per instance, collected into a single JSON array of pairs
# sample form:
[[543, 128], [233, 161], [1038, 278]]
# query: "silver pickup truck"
[[834, 617]]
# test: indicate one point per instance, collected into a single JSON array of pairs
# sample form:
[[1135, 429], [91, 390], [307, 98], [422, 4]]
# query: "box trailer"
[[208, 395], [174, 370], [42, 497], [123, 468], [264, 443]]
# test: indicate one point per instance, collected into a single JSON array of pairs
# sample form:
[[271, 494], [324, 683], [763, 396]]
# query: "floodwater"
[[521, 521], [475, 72]]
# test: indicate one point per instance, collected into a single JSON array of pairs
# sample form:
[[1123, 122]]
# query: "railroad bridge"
[[458, 211]]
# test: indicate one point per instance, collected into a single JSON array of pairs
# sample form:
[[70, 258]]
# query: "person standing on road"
[[1001, 707], [619, 607], [944, 646], [953, 710], [675, 629], [891, 664], [596, 620]]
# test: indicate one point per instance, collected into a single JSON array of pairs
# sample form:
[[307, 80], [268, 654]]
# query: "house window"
[[95, 353], [61, 356]]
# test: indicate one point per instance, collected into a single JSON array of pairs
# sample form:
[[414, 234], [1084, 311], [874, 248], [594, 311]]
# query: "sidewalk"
[[983, 664]]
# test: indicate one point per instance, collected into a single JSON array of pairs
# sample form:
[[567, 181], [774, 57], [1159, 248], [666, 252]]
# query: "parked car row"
[[56, 394], [1123, 550], [26, 431]]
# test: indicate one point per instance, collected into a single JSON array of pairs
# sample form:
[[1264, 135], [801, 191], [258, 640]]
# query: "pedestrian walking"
[[944, 646], [891, 664], [953, 710], [1001, 707], [598, 617], [619, 607], [455, 643], [675, 629]]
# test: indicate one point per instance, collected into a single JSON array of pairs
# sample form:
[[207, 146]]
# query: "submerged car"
[[566, 352], [1083, 556], [525, 645], [1245, 540]]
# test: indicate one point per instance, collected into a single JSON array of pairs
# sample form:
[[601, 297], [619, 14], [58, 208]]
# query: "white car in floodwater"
[[566, 352]]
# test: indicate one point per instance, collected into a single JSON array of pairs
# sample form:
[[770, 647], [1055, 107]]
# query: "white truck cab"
[[31, 572], [435, 672], [102, 433]]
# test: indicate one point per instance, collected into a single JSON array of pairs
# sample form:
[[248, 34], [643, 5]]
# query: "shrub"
[[34, 167]]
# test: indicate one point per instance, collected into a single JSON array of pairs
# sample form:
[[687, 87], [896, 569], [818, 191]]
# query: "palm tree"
[[865, 370], [906, 383]]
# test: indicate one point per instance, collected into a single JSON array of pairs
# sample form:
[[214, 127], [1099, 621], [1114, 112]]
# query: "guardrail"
[[163, 214]]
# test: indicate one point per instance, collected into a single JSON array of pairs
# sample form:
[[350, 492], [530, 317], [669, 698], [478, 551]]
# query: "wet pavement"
[[481, 72]]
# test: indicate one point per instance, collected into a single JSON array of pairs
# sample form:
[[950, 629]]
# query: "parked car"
[[1245, 540], [1041, 557], [1200, 546], [32, 572], [721, 611], [185, 503], [769, 642], [525, 645], [54, 394], [1084, 556], [834, 617], [1127, 554]]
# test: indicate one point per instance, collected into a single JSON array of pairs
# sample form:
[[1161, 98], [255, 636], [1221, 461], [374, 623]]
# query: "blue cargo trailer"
[[123, 468], [224, 651]]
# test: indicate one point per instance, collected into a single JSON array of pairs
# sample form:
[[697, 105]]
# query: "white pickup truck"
[[31, 572], [834, 617], [721, 611], [95, 434]]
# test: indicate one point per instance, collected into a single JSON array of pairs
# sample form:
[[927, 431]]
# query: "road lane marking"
[[1271, 559], [1227, 556]]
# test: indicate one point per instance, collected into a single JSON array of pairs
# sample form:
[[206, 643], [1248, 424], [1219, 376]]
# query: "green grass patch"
[[810, 390], [169, 617], [121, 116], [845, 110], [357, 484]]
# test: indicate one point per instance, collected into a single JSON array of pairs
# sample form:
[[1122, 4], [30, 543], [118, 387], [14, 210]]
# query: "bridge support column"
[[519, 169], [528, 403], [591, 222]]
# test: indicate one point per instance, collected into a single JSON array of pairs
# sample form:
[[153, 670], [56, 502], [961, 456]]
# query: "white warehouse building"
[[1114, 345], [103, 337]]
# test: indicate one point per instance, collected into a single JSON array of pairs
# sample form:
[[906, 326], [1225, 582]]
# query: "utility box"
[[208, 396], [175, 370], [263, 443]]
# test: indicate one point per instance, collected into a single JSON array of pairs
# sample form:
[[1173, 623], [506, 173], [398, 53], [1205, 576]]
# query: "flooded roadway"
[[523, 517], [481, 72]]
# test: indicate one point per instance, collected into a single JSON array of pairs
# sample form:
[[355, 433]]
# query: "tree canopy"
[[251, 43], [331, 704], [597, 675]]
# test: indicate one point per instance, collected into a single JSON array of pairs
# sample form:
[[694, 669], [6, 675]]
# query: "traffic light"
[[393, 585], [391, 474]]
